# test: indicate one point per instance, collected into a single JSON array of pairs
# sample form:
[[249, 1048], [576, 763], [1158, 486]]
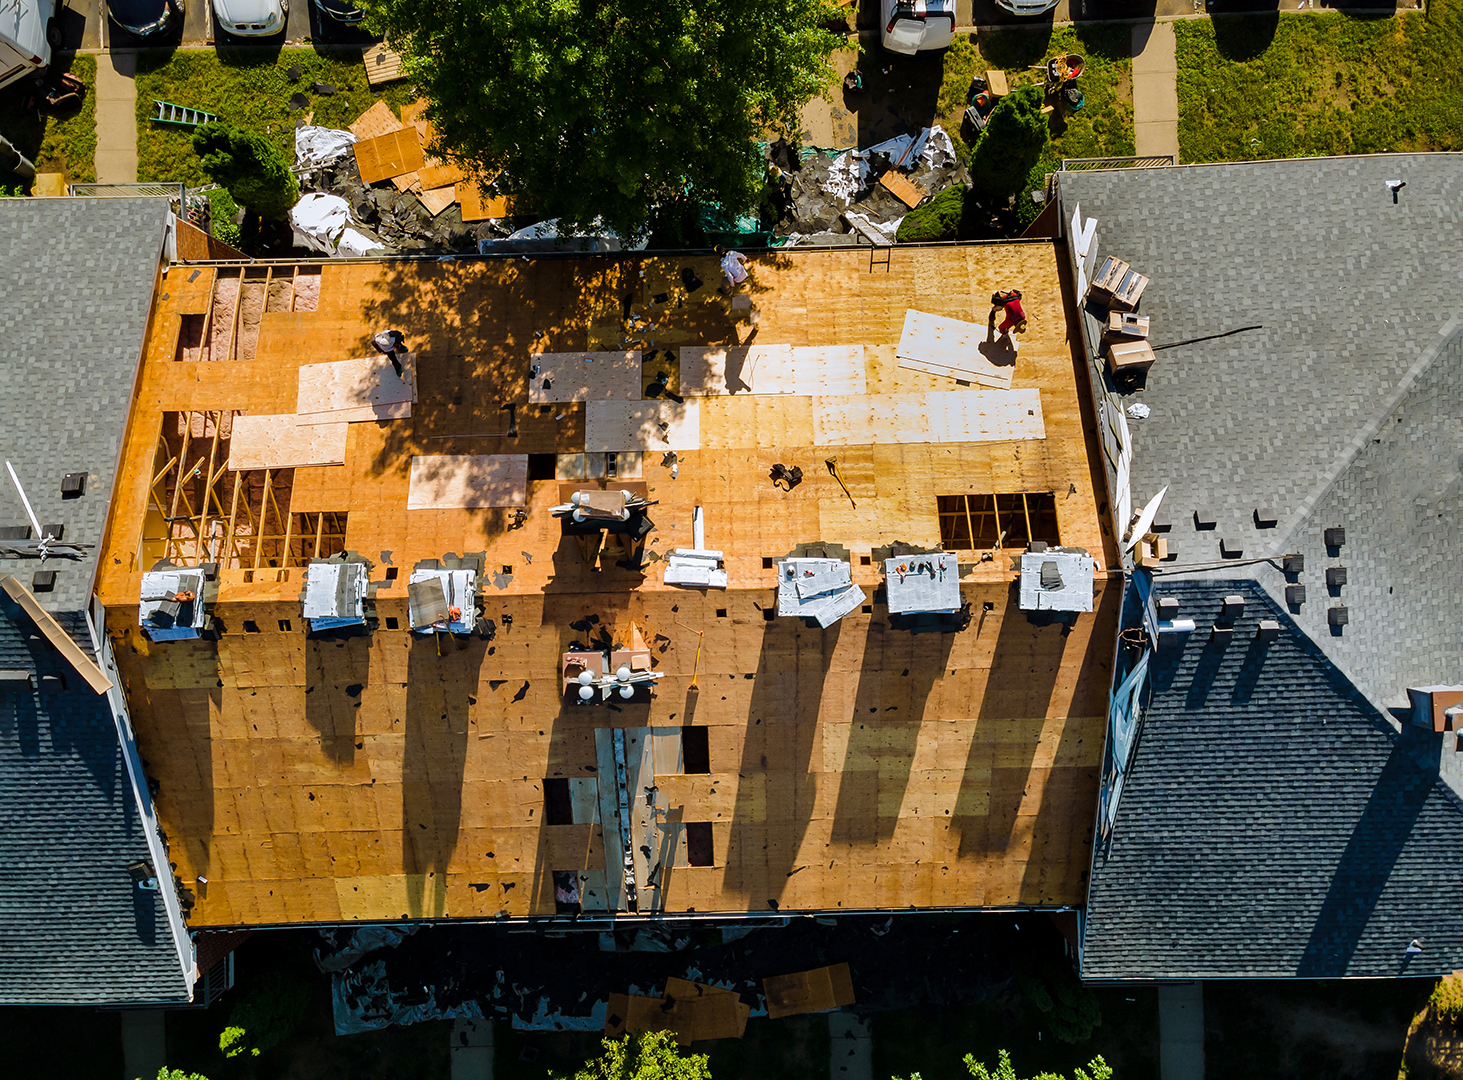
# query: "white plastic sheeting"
[[320, 145], [323, 223], [850, 173], [550, 230]]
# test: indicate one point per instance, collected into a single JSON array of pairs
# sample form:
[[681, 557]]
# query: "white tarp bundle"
[[550, 230], [323, 223], [320, 145]]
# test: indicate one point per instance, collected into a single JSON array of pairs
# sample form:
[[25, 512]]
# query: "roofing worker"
[[734, 267], [1010, 305], [390, 342]]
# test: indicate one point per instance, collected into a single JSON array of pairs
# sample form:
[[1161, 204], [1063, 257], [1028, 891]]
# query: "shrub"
[[1068, 1008], [266, 1015], [938, 219], [1009, 147], [250, 166], [1447, 998], [224, 209]]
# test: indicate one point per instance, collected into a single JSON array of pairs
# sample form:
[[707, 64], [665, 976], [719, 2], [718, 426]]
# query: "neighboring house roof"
[[73, 927], [76, 284], [1338, 411], [1274, 823]]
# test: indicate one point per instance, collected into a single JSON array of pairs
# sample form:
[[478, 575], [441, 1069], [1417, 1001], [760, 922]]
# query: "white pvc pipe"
[[698, 529]]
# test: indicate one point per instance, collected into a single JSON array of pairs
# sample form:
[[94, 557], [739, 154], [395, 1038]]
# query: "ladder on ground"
[[168, 113]]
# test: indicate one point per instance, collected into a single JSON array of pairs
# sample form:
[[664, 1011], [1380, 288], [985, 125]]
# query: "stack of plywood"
[[394, 149]]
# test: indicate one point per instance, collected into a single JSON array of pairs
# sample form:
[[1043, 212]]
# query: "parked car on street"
[[1026, 7], [341, 11], [912, 26], [145, 17], [251, 18]]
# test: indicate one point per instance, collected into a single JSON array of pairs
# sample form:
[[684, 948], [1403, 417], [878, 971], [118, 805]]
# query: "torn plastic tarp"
[[550, 230], [364, 1001], [323, 223], [320, 145], [349, 944]]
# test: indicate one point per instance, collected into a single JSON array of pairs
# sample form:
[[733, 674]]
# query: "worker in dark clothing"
[[391, 342]]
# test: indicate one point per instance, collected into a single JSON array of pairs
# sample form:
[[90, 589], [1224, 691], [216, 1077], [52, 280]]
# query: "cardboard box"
[[1117, 285], [1130, 357], [1152, 550], [1124, 326]]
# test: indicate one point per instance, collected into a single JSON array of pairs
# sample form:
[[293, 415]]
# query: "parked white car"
[[251, 18], [24, 26], [1026, 7], [912, 26]]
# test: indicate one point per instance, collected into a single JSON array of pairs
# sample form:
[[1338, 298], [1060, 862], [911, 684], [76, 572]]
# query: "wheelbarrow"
[[1061, 70]]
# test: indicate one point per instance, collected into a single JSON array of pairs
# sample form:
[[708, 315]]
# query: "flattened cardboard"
[[818, 990]]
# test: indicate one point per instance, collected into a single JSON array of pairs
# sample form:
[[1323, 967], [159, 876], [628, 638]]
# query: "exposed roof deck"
[[397, 775]]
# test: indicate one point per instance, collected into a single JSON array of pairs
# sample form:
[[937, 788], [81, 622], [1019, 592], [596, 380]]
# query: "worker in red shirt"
[[1009, 304]]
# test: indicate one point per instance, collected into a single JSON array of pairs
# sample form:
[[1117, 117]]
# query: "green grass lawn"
[[250, 88], [66, 143], [1302, 85], [1103, 127]]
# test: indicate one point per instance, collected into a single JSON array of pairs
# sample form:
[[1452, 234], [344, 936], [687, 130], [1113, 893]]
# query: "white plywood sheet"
[[712, 371], [282, 442], [830, 369], [933, 417], [468, 481], [612, 426], [707, 371], [955, 346], [366, 389], [586, 376]]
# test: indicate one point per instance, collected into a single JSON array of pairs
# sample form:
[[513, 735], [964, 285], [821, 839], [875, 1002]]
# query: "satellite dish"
[[1145, 519]]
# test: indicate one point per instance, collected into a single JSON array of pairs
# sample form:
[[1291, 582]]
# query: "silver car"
[[1026, 7], [251, 18]]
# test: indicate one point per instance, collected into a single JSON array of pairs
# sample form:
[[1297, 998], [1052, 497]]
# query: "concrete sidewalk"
[[1181, 1032], [1155, 91], [116, 109]]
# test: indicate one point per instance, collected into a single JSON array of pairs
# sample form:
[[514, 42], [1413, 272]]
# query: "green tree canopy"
[[649, 1056], [1010, 145], [607, 109], [252, 168], [1097, 1069]]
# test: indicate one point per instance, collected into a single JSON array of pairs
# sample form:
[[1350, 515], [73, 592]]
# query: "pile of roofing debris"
[[614, 980], [374, 190], [838, 197]]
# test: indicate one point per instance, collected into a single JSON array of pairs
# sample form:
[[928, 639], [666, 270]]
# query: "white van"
[[912, 26], [23, 43]]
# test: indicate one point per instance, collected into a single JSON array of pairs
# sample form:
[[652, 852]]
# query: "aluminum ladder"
[[168, 113]]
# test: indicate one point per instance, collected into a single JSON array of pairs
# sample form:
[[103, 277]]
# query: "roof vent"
[[1231, 548], [73, 484], [1268, 630], [1338, 616], [1336, 576], [1436, 707], [1266, 518], [14, 679], [1221, 635], [1293, 564], [1205, 519], [1168, 608], [1335, 537], [1295, 595], [142, 875], [1234, 606], [55, 532], [43, 581]]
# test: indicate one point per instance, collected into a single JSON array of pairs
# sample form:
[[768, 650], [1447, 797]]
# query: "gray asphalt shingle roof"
[[76, 283], [1274, 824], [73, 928], [1277, 823]]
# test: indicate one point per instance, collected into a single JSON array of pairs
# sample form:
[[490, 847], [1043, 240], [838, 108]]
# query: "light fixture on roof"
[[1414, 948], [1395, 186]]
